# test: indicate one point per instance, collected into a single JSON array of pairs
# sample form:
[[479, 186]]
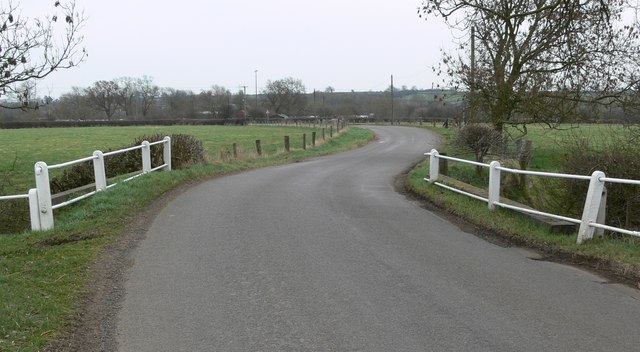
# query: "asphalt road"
[[323, 255]]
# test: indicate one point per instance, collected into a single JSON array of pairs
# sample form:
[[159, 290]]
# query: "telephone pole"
[[244, 101], [256, 90], [392, 117], [472, 79]]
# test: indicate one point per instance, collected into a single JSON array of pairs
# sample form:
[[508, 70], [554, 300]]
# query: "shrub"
[[615, 155], [186, 150], [14, 214], [479, 139]]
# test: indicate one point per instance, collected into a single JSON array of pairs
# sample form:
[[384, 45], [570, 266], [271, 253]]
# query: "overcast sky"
[[194, 44]]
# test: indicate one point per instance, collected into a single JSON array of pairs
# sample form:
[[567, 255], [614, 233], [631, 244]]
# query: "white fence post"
[[602, 213], [44, 195], [591, 207], [494, 184], [146, 157], [99, 171], [166, 153], [434, 166], [34, 210]]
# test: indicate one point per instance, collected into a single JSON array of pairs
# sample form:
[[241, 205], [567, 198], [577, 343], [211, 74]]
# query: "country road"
[[324, 255]]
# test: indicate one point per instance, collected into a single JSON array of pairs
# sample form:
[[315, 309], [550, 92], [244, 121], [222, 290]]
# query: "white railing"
[[40, 199], [592, 215]]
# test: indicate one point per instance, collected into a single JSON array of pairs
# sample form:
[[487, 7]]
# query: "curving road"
[[323, 255]]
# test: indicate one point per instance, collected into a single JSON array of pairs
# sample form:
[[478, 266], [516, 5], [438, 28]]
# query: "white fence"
[[40, 199], [592, 215]]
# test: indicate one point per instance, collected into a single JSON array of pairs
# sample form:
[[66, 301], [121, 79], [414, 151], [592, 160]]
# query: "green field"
[[44, 276], [24, 147], [548, 144]]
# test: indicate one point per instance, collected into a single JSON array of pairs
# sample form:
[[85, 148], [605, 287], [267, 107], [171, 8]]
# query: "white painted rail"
[[593, 212], [40, 199]]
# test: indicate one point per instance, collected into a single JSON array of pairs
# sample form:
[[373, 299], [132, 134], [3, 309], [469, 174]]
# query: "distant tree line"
[[130, 98]]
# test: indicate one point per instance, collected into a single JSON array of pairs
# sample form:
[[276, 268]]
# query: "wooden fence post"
[[444, 164], [286, 143], [313, 138], [235, 150], [524, 158], [323, 135], [304, 141], [258, 147]]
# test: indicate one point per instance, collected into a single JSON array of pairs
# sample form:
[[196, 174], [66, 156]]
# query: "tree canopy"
[[540, 60], [286, 95]]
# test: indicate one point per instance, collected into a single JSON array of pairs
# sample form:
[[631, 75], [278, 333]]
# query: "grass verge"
[[44, 276], [617, 257]]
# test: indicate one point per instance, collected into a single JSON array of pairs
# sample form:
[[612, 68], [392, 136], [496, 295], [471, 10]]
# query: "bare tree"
[[539, 61], [216, 101], [148, 93], [180, 104], [73, 105], [286, 95], [126, 95], [222, 97], [104, 95], [31, 49]]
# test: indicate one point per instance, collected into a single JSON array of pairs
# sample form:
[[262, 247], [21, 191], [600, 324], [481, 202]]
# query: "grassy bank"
[[619, 255], [43, 275]]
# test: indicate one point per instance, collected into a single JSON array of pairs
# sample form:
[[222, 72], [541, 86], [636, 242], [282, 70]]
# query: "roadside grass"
[[44, 276], [20, 149], [618, 255]]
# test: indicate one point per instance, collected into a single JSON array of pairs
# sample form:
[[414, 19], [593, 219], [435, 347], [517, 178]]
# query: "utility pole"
[[473, 56], [392, 117], [472, 79], [244, 101], [256, 90]]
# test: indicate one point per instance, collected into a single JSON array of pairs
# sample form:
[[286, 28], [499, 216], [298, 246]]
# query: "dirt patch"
[[59, 241], [613, 271]]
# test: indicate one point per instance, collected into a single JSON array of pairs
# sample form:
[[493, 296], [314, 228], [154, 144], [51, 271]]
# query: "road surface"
[[324, 255]]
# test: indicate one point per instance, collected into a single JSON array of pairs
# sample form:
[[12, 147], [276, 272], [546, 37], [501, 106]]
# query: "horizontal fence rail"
[[41, 200], [16, 196], [593, 215]]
